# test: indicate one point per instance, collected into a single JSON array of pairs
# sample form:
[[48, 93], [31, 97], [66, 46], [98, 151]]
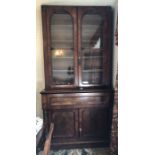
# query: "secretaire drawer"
[[79, 99]]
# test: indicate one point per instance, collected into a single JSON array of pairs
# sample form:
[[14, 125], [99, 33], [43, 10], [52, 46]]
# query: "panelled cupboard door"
[[94, 122], [94, 46], [60, 46], [65, 123]]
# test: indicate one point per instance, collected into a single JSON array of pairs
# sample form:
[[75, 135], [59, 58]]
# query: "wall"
[[39, 41]]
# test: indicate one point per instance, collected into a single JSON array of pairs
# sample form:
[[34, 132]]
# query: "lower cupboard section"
[[79, 127]]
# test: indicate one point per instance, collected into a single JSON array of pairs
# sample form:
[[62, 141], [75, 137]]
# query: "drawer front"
[[80, 99]]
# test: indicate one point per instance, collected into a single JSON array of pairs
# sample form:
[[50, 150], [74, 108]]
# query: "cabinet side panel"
[[45, 46]]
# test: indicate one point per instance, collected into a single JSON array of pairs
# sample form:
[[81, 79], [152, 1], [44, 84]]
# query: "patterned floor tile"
[[84, 151]]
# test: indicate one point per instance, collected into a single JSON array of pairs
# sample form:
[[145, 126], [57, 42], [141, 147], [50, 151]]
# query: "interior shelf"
[[62, 57], [91, 56], [92, 70], [63, 70], [61, 48]]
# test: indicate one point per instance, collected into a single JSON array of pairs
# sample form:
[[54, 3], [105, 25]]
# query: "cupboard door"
[[94, 45], [94, 122], [60, 49], [65, 123]]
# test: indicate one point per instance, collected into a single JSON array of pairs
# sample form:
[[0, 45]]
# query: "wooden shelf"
[[92, 70], [63, 70], [90, 57], [61, 48], [62, 57]]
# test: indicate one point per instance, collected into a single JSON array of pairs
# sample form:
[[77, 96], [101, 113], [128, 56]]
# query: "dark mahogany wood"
[[81, 114], [106, 13], [93, 122], [77, 13], [79, 117], [65, 123], [47, 13]]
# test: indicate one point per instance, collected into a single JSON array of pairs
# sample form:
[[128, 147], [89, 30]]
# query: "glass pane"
[[61, 31], [92, 49], [62, 49]]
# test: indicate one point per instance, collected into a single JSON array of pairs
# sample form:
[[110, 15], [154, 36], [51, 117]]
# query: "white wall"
[[39, 41]]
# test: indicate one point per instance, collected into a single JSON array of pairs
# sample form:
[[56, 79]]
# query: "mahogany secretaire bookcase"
[[78, 92]]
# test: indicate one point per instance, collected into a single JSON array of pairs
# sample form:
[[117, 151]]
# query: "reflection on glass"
[[58, 53], [62, 49], [92, 49], [61, 31]]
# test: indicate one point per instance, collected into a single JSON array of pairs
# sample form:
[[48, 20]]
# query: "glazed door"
[[60, 50], [94, 48], [94, 122]]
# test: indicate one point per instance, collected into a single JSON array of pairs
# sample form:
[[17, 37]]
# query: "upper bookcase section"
[[77, 46]]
